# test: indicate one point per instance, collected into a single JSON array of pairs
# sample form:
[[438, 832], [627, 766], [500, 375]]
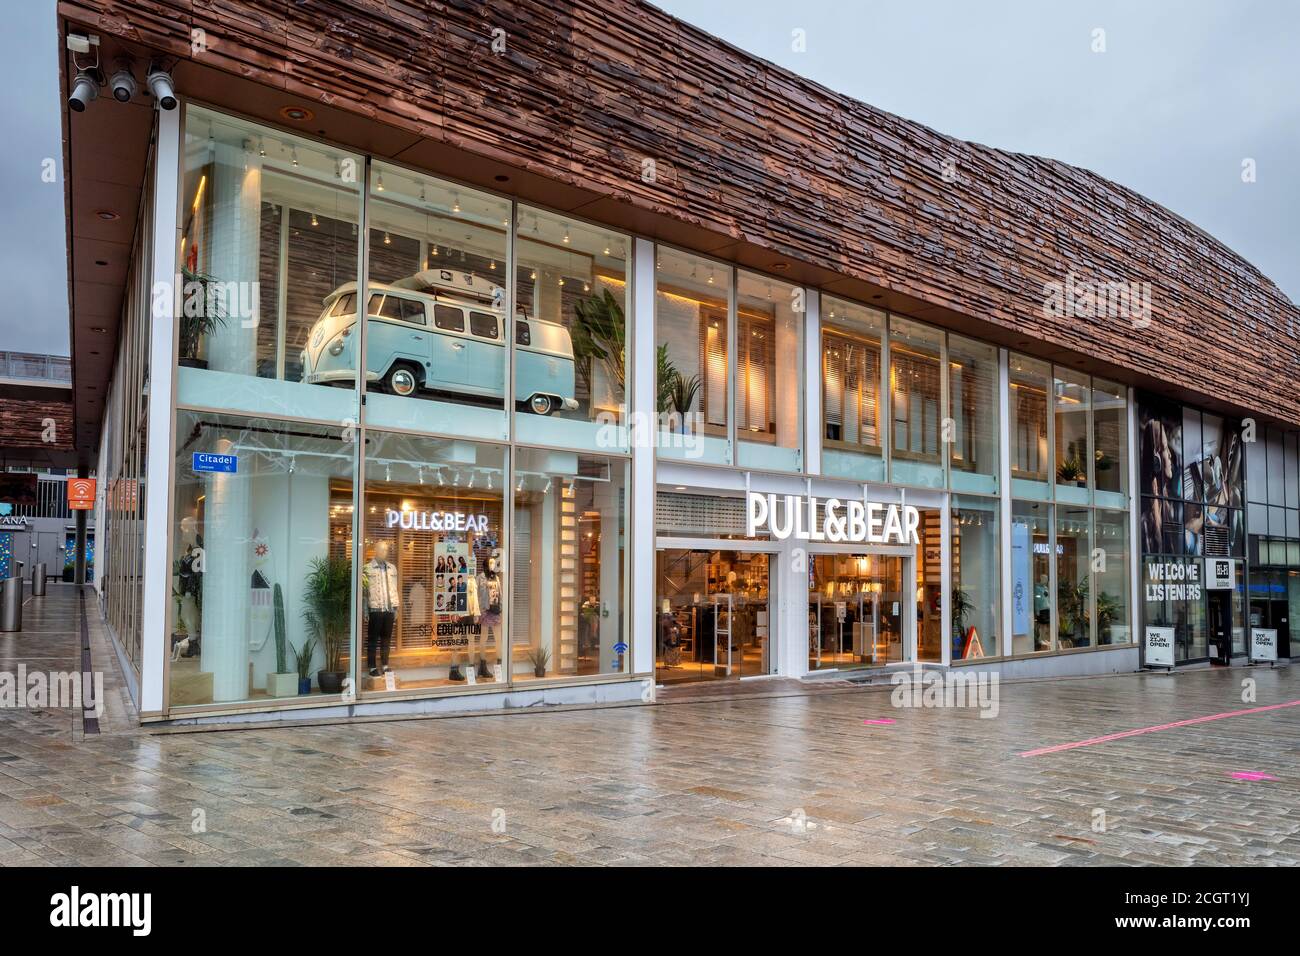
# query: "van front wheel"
[[400, 380], [541, 404]]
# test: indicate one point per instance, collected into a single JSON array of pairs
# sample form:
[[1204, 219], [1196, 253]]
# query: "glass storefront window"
[[1071, 406], [571, 338], [855, 610], [1073, 594], [929, 587], [262, 573], [852, 436], [973, 408], [433, 565], [436, 311], [1030, 455], [1111, 576], [1031, 577], [916, 405], [269, 226], [1193, 476], [1110, 443], [976, 578], [712, 615], [769, 356], [692, 323], [569, 550]]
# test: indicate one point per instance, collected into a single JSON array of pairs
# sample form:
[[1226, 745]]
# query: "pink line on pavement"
[[878, 720], [1147, 730], [1253, 775]]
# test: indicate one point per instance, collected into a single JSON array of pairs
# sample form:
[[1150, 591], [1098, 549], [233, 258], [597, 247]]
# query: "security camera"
[[122, 84], [84, 90], [160, 85]]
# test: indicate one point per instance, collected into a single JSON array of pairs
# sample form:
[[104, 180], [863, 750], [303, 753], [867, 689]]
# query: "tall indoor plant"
[[327, 596], [198, 320], [600, 335], [284, 682]]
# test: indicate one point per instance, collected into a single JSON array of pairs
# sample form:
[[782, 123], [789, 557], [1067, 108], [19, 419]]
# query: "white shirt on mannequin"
[[381, 580]]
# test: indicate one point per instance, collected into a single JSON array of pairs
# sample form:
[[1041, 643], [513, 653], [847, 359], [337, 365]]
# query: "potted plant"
[[195, 327], [327, 596], [599, 334], [303, 659], [284, 682], [961, 608], [665, 377], [539, 657], [1071, 471]]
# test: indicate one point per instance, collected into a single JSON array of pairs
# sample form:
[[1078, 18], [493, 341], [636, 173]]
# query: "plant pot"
[[331, 682], [193, 363], [304, 686], [539, 671], [282, 685]]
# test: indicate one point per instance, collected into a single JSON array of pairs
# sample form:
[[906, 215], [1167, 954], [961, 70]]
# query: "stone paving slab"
[[775, 780]]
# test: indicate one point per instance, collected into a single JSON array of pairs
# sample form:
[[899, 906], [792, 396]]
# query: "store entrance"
[[712, 620], [856, 610], [1220, 626]]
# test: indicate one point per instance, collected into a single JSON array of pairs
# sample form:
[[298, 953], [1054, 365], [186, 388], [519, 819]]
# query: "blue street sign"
[[205, 461]]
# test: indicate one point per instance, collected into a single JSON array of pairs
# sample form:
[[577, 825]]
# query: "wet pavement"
[[831, 777]]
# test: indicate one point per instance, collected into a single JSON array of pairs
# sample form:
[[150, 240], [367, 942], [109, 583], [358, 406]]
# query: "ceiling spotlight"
[[261, 147], [293, 156], [84, 90], [123, 83], [160, 85]]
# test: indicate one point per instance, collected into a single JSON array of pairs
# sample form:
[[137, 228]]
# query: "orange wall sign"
[[81, 494]]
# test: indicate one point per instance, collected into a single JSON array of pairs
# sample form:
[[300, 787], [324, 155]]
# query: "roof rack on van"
[[465, 284]]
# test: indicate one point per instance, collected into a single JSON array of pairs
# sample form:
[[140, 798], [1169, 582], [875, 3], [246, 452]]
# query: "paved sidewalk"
[[753, 780]]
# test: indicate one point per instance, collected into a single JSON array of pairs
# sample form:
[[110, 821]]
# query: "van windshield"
[[345, 304]]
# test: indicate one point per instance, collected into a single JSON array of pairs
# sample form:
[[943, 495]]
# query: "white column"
[[641, 500], [790, 620], [226, 572], [162, 246], [1005, 501], [234, 253], [945, 579], [1135, 526], [812, 383]]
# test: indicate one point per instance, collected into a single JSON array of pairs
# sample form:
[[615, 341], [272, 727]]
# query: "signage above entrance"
[[854, 521], [1220, 574], [436, 521]]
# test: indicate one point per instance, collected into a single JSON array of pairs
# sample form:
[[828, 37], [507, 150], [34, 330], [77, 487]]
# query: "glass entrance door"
[[712, 615], [855, 610]]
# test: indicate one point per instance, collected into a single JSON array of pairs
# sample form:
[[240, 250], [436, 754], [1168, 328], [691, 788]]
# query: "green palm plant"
[[211, 316], [600, 334], [327, 594], [666, 376]]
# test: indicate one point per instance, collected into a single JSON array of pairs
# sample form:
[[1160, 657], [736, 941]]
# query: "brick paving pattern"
[[757, 779]]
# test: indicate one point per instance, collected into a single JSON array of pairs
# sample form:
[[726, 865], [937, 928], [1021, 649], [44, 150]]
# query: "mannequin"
[[488, 584], [380, 593]]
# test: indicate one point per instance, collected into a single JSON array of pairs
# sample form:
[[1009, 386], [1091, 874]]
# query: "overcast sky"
[[1184, 92]]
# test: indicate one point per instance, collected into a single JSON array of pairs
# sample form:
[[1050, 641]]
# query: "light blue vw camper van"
[[441, 331]]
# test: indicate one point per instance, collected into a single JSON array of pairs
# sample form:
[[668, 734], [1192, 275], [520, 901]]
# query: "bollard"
[[11, 604], [38, 579]]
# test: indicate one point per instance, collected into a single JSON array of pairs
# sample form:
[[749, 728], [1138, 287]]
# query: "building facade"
[[638, 394]]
